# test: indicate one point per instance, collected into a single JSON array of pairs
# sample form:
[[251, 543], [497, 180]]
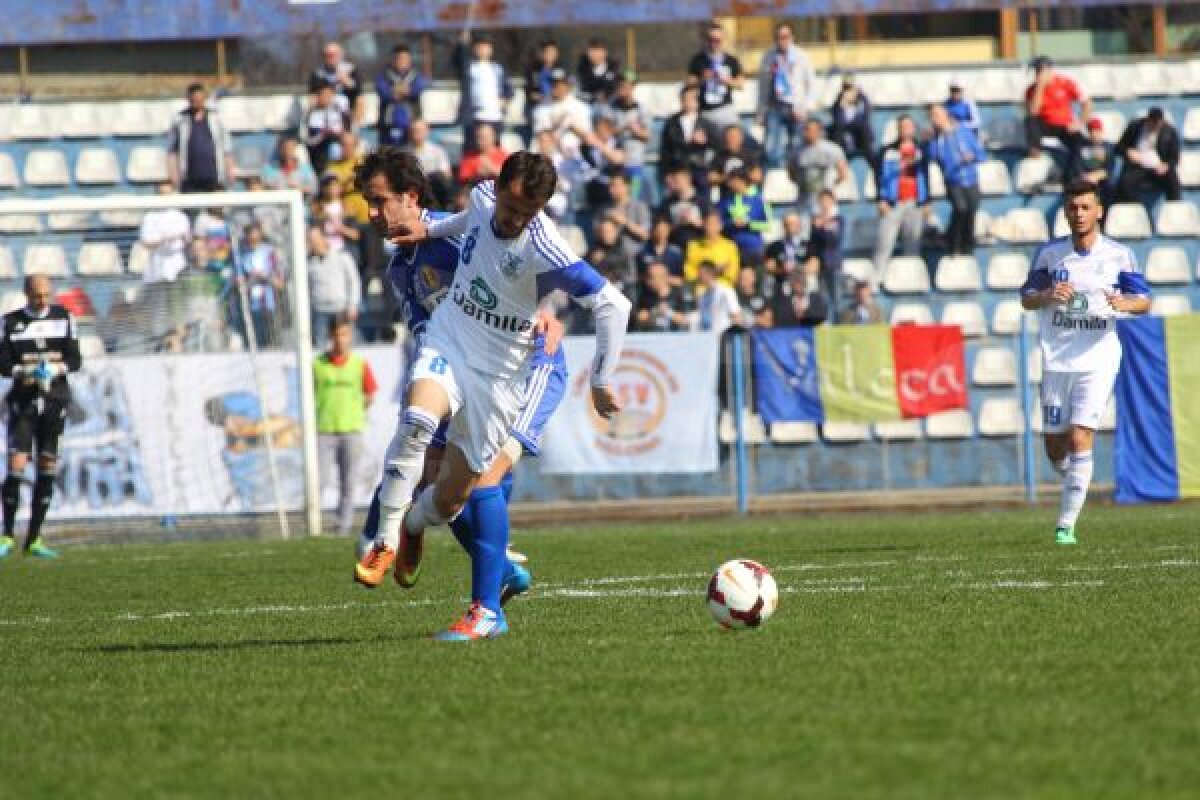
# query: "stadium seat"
[[891, 90], [994, 180], [860, 269], [69, 220], [994, 366], [1001, 416], [99, 258], [97, 166], [1022, 226], [1113, 122], [147, 164], [911, 314], [1004, 133], [845, 432], [950, 425], [1127, 221], [774, 231], [1179, 218], [752, 427], [983, 227], [868, 187], [134, 118], [1007, 271], [992, 85], [440, 106], [1061, 229], [1006, 318], [967, 315], [864, 231], [906, 275], [45, 259], [778, 188], [1189, 168], [20, 223], [139, 256], [1170, 305], [8, 172], [937, 182], [91, 346], [1167, 265], [1149, 79], [120, 219], [514, 112], [277, 112], [81, 121], [1034, 365], [745, 100], [1095, 79], [238, 114], [847, 190], [891, 129], [46, 168], [11, 301], [1033, 174], [8, 267], [958, 274], [793, 433], [370, 109], [902, 430], [1191, 125], [512, 141], [28, 121]]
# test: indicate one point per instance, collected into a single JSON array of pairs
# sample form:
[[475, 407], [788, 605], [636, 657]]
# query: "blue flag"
[[786, 383]]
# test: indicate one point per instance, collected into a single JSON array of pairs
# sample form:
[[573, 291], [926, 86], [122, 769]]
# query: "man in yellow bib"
[[344, 386]]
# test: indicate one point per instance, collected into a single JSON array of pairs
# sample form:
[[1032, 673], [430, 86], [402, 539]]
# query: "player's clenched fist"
[[604, 401], [1062, 292]]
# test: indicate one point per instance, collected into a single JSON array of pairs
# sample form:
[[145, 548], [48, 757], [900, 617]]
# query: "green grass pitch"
[[913, 656]]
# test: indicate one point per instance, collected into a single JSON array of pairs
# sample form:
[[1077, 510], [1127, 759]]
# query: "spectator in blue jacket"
[[484, 89], [746, 216], [824, 257], [957, 151], [962, 110], [399, 87], [903, 181]]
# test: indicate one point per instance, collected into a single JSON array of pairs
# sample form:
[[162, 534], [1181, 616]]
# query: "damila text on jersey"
[[479, 304], [1064, 320]]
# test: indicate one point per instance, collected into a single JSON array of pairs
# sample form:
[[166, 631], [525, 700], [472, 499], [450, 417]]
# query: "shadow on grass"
[[243, 644]]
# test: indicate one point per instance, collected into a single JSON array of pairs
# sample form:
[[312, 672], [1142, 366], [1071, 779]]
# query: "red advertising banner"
[[931, 372]]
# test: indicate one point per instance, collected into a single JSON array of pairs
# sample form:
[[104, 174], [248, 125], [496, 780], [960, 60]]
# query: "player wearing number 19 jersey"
[[1080, 285]]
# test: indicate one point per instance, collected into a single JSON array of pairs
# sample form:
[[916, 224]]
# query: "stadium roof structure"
[[64, 21]]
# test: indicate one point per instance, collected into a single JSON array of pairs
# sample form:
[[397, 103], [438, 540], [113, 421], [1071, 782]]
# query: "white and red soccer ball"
[[742, 594]]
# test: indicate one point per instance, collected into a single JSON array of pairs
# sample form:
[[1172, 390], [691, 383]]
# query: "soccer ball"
[[742, 594]]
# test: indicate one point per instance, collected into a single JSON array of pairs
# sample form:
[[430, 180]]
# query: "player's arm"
[[8, 361], [1133, 293], [1040, 289]]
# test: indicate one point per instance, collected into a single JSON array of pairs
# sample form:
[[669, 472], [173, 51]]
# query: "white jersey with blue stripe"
[[420, 276], [499, 282], [1081, 336]]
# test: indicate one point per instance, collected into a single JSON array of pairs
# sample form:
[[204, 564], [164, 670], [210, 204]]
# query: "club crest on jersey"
[[483, 295], [510, 264], [430, 279]]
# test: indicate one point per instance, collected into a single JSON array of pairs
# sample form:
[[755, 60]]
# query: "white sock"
[[424, 513], [1075, 488], [402, 470]]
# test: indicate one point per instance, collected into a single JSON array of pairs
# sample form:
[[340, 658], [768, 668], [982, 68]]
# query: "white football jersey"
[[491, 308], [1081, 336]]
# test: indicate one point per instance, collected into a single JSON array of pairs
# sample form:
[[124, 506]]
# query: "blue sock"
[[506, 486], [371, 523], [463, 528], [489, 564]]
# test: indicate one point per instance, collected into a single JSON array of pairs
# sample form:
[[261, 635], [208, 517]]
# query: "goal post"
[[196, 398]]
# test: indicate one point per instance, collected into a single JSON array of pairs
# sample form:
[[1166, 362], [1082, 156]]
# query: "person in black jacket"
[[38, 347], [688, 140], [597, 72], [1150, 149]]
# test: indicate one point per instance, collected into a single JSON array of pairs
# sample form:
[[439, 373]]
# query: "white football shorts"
[[1075, 399], [483, 408]]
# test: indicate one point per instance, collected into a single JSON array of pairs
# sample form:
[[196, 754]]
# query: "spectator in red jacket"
[[1050, 107], [484, 160]]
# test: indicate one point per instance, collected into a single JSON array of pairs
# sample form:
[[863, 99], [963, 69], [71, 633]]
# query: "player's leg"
[[486, 515], [49, 429], [20, 443], [1056, 408], [1089, 397]]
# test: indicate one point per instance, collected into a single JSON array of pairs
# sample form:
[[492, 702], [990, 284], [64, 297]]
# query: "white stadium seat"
[[860, 269], [906, 275], [45, 259], [1007, 271], [139, 256], [845, 432], [1179, 218], [911, 314], [847, 190], [146, 164], [91, 346], [1149, 79], [8, 172], [133, 118], [1191, 125], [238, 114], [514, 113], [950, 425], [512, 141], [892, 90], [440, 106], [752, 428], [793, 433], [937, 182], [993, 85], [121, 219], [966, 315], [1034, 364], [11, 301], [1113, 123], [1023, 226], [745, 100], [868, 187], [46, 168], [1189, 168], [1006, 318], [99, 258], [1127, 221], [1061, 229], [983, 227], [277, 112], [1168, 265], [994, 366], [994, 180], [69, 220], [891, 129], [778, 188], [81, 121], [8, 267], [28, 121], [1170, 305], [902, 430], [97, 166], [20, 223], [370, 109], [958, 274], [1033, 174], [1095, 79], [1001, 416]]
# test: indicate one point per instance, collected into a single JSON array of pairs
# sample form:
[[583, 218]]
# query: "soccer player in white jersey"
[[472, 364], [1080, 285]]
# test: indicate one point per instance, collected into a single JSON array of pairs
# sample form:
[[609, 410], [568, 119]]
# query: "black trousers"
[[964, 202], [1135, 180], [1074, 141]]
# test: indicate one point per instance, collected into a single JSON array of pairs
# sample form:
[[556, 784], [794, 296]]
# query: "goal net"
[[193, 408]]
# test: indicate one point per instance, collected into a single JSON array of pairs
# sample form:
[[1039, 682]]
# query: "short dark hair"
[[338, 321], [615, 172], [403, 171], [535, 172], [1155, 114], [401, 48], [1080, 186], [195, 87]]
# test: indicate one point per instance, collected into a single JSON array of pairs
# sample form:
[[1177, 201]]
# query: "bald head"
[[38, 292]]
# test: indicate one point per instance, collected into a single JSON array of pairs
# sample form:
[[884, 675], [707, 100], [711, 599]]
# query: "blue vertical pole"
[[739, 444], [1027, 409]]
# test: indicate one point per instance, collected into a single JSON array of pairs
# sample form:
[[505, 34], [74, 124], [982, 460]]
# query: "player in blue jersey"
[[397, 191], [1079, 285]]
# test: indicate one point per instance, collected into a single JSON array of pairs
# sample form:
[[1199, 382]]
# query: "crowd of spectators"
[[696, 246]]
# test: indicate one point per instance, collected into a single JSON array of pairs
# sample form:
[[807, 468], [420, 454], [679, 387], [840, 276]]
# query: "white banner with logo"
[[667, 385]]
